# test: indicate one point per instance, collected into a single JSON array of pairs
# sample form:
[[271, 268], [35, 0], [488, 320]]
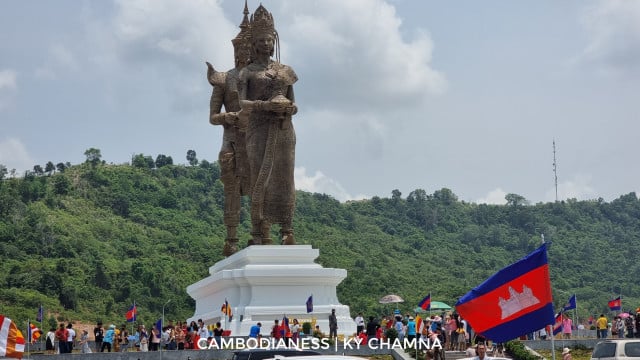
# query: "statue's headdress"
[[242, 41], [262, 23]]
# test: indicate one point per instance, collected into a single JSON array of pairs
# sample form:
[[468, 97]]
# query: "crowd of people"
[[449, 328]]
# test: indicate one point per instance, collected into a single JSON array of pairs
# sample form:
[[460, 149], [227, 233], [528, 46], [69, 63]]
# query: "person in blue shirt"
[[254, 332], [411, 329], [108, 338]]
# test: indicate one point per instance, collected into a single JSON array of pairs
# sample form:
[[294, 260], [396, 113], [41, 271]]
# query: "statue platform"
[[263, 283]]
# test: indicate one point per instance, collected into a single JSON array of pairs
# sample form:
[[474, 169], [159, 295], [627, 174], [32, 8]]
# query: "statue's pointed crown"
[[244, 35]]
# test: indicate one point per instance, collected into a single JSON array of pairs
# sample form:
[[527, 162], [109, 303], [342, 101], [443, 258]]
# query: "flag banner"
[[226, 309], [571, 304], [159, 325], [284, 327], [557, 325], [419, 325], [11, 339], [40, 315], [33, 333], [131, 314], [615, 304], [425, 304], [310, 304], [514, 301]]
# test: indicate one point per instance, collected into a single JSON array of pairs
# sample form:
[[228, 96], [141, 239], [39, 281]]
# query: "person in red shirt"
[[61, 335]]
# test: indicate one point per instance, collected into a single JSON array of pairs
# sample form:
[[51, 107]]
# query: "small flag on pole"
[[419, 325], [557, 325], [615, 304], [571, 304], [33, 333], [131, 314], [40, 315], [11, 339], [310, 304], [226, 309], [425, 304]]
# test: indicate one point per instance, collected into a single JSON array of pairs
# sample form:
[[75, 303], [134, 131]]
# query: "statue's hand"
[[291, 110], [231, 118], [281, 107]]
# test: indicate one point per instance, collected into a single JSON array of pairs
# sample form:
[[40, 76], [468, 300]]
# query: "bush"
[[306, 328], [518, 351]]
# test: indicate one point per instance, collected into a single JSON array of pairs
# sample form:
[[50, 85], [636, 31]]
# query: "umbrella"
[[388, 299], [624, 315], [439, 305], [419, 310]]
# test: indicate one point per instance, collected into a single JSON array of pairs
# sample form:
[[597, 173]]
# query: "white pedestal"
[[263, 283]]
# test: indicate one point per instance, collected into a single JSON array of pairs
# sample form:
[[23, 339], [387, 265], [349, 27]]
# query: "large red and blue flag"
[[514, 301], [615, 304], [425, 304], [132, 313]]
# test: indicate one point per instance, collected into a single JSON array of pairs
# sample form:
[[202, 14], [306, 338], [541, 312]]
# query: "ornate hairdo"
[[262, 23]]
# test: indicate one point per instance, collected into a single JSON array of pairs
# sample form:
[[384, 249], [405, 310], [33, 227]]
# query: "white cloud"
[[320, 183], [7, 79], [358, 39], [494, 197], [614, 31], [14, 155], [179, 30], [59, 57], [578, 188], [8, 85]]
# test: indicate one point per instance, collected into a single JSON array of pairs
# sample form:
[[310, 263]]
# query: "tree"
[[37, 169], [515, 200], [93, 156], [143, 162], [396, 195], [3, 171], [49, 168], [60, 166], [191, 158], [163, 160]]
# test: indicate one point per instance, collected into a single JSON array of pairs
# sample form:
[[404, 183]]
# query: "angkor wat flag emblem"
[[514, 301]]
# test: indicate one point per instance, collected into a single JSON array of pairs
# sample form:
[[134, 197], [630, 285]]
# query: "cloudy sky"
[[393, 94]]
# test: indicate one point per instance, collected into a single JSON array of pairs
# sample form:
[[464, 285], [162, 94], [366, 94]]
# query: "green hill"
[[88, 240]]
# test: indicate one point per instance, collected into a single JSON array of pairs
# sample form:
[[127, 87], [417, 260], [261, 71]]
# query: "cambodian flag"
[[514, 301], [557, 326], [425, 304], [615, 304], [131, 314]]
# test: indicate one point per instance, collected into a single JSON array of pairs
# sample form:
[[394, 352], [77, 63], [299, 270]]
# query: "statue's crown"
[[261, 22], [244, 36]]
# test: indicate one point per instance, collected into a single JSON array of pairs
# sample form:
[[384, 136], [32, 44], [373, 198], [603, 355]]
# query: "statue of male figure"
[[233, 161]]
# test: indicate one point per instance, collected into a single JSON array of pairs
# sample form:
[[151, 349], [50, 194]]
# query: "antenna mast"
[[555, 168]]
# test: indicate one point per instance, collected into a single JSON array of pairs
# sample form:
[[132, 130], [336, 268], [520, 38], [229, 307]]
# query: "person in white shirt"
[[71, 337], [359, 323]]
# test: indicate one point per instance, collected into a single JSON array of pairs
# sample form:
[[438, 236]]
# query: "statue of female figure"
[[267, 101]]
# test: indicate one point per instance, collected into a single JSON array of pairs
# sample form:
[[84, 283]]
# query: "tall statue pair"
[[258, 147]]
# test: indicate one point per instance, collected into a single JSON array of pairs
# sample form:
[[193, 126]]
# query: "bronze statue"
[[267, 102], [234, 166]]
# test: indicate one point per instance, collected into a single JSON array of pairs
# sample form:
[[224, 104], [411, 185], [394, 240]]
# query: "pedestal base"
[[263, 283]]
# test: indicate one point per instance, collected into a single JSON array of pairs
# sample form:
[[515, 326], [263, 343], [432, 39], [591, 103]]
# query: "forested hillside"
[[88, 240]]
